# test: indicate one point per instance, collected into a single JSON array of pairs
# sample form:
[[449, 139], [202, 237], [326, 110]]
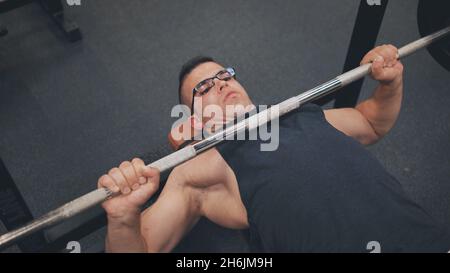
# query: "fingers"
[[370, 57], [105, 181], [125, 178], [385, 64], [148, 175], [153, 176], [129, 176], [139, 166], [120, 180], [386, 53], [389, 54], [147, 190], [145, 172], [150, 172], [148, 179]]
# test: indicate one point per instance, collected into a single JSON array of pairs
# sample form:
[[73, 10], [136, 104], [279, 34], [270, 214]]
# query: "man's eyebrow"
[[221, 70]]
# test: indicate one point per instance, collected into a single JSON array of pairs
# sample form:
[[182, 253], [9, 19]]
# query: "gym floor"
[[71, 111]]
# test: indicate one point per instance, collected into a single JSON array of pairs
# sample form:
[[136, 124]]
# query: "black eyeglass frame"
[[230, 70]]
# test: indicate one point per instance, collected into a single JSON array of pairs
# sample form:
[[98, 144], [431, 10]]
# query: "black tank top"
[[322, 191]]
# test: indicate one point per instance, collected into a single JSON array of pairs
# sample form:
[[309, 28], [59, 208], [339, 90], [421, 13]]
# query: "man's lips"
[[230, 95]]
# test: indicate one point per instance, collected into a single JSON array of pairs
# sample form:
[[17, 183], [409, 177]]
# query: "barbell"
[[98, 196]]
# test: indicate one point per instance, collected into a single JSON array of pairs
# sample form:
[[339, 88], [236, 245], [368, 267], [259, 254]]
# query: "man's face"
[[223, 93]]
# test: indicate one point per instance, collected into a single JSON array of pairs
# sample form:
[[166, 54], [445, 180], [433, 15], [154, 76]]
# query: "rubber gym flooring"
[[71, 111]]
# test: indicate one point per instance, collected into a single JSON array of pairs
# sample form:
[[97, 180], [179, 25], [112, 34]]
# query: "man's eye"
[[225, 76], [205, 90], [204, 87]]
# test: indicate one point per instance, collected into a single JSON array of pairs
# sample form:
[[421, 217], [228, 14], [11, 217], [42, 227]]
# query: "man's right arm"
[[175, 212], [193, 189], [161, 226], [136, 183]]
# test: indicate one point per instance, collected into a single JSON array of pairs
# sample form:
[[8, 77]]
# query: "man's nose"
[[220, 84]]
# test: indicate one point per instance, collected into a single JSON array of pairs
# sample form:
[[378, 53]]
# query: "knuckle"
[[107, 181], [124, 165], [103, 180], [137, 161], [392, 47], [383, 51], [391, 50], [113, 171]]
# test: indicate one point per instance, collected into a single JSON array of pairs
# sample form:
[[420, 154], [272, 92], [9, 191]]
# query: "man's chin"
[[235, 110]]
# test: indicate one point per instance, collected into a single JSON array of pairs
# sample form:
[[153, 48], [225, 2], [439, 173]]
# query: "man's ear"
[[185, 132]]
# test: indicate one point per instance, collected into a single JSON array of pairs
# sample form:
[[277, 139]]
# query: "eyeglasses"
[[204, 86]]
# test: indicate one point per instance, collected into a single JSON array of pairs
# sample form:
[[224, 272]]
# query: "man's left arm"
[[371, 119]]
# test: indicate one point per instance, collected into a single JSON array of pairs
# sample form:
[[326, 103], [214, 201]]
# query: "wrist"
[[394, 84], [129, 219], [389, 90]]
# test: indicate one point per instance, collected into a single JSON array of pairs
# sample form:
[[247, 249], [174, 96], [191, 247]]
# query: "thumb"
[[150, 172]]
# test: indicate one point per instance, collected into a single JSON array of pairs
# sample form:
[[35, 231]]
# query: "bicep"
[[222, 195], [219, 197], [352, 123]]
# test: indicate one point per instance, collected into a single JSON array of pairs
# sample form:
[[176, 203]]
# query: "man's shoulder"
[[205, 170]]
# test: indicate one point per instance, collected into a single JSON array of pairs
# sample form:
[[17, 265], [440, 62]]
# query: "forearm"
[[124, 235], [165, 226], [136, 183], [382, 109], [173, 214]]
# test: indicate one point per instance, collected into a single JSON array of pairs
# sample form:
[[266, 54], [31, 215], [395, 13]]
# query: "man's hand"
[[136, 183], [372, 119], [385, 67]]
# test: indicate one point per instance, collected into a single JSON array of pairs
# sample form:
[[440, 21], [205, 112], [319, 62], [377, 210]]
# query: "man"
[[320, 191]]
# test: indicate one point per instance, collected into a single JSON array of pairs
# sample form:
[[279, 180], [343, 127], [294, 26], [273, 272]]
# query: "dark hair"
[[188, 67]]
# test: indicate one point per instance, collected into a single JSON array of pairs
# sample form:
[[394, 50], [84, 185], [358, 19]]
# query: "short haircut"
[[187, 68]]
